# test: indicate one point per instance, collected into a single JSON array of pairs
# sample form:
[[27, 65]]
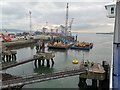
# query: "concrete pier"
[[97, 73], [38, 57], [9, 55], [44, 56]]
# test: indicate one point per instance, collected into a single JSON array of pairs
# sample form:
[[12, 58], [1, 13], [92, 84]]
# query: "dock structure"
[[18, 43], [40, 78], [38, 57], [44, 56], [9, 55], [95, 72], [84, 73]]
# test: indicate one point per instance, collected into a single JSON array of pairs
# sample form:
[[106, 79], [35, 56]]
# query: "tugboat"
[[82, 46]]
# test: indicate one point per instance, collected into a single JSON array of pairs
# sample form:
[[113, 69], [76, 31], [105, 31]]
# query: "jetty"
[[84, 73]]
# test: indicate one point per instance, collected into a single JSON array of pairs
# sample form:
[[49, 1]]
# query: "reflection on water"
[[43, 70], [58, 50]]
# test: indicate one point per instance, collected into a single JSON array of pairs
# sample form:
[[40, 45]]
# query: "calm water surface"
[[102, 50]]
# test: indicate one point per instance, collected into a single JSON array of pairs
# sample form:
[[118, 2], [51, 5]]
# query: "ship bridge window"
[[112, 10]]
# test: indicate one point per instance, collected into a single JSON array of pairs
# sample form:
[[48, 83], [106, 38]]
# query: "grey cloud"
[[85, 14], [33, 3], [14, 10]]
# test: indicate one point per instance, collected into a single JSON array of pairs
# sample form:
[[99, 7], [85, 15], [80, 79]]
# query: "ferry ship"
[[114, 12]]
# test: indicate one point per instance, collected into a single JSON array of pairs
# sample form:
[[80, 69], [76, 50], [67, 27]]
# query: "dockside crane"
[[71, 24], [66, 22]]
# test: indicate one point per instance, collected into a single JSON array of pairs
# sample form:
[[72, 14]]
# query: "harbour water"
[[102, 50]]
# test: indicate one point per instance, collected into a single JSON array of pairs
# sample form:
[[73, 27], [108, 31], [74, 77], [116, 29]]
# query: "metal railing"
[[42, 77]]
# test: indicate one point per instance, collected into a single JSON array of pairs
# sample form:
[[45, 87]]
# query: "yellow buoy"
[[75, 61]]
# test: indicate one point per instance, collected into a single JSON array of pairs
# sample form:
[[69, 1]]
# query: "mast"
[[30, 22], [66, 23]]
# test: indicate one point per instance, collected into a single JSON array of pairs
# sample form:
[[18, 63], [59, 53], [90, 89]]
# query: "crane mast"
[[71, 23], [66, 23], [30, 22]]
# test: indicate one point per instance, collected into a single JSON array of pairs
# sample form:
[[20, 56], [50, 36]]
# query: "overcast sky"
[[88, 16]]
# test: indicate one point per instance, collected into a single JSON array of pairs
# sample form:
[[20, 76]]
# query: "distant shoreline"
[[111, 33]]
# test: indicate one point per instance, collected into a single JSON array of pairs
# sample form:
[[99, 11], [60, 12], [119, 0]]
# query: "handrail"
[[43, 77]]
